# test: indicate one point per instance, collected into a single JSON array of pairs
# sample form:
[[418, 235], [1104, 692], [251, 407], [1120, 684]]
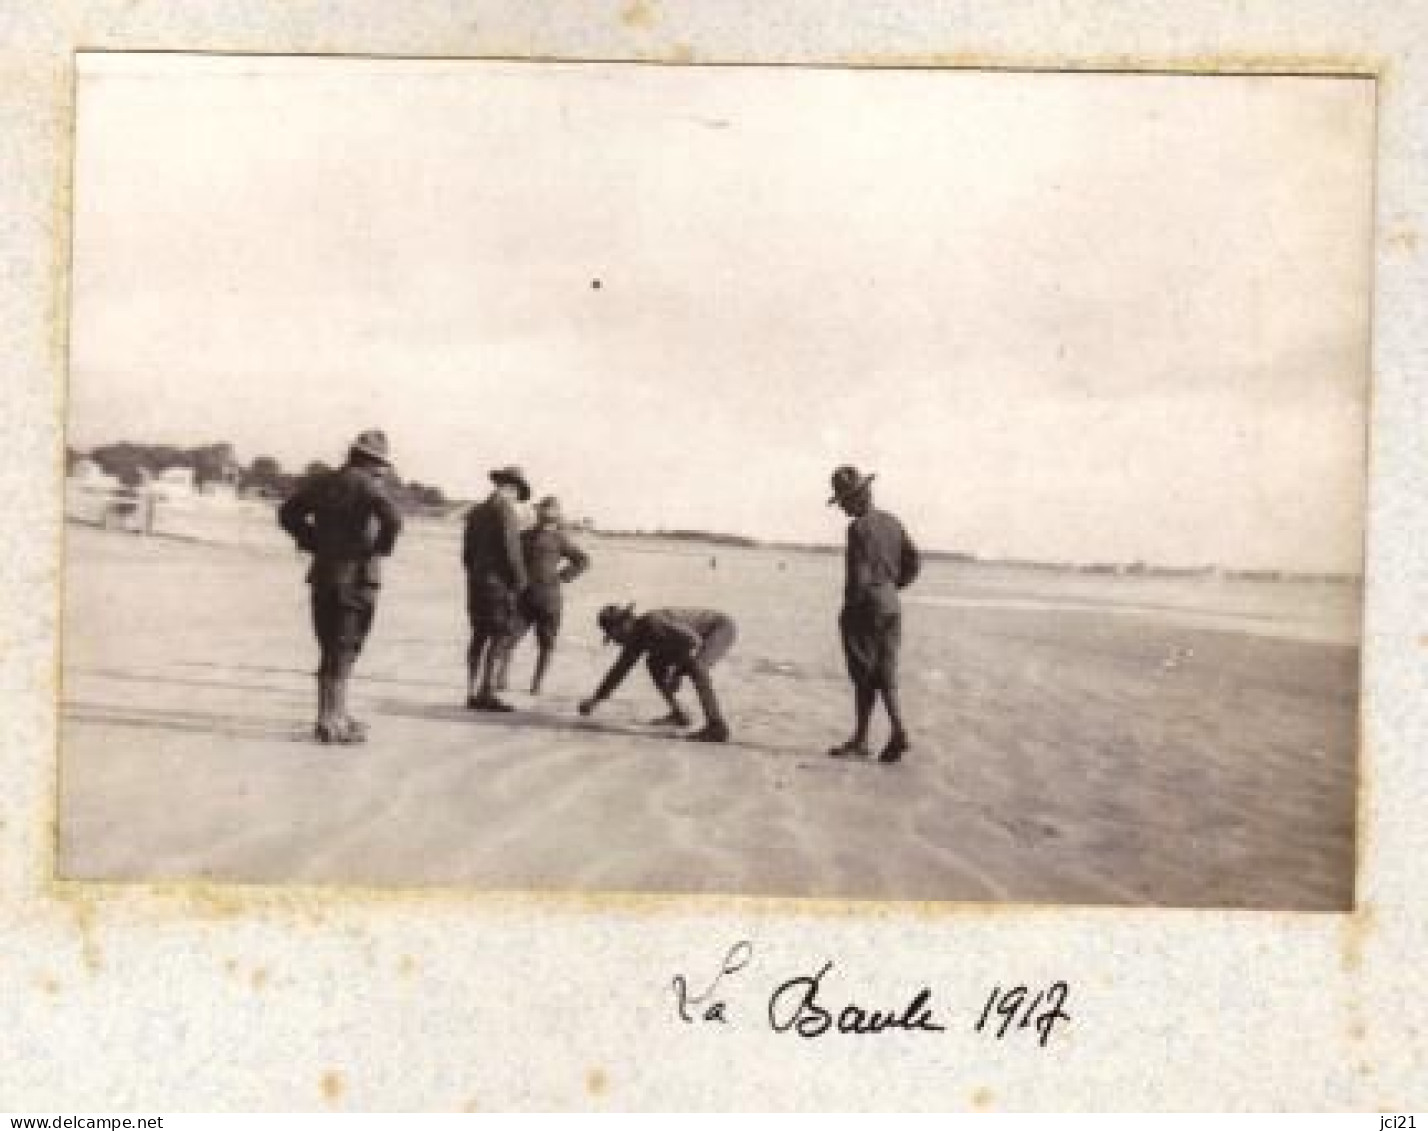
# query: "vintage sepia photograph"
[[780, 481]]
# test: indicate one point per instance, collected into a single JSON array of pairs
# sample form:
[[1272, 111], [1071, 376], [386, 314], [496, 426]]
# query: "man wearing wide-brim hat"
[[348, 523], [881, 560], [495, 579]]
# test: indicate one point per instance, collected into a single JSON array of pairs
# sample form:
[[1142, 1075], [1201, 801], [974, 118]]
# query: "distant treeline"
[[704, 536], [1104, 569], [262, 477]]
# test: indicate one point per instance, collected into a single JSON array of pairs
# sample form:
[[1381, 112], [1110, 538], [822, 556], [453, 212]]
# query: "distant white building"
[[173, 483], [224, 488], [88, 477], [94, 496]]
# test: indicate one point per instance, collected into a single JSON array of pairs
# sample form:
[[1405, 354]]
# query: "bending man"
[[675, 643]]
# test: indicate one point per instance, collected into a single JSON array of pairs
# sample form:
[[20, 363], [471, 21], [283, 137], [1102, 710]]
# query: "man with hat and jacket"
[[495, 579], [675, 643], [880, 560], [552, 559], [348, 523]]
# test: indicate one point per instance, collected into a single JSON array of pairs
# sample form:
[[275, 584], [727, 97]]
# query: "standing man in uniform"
[[675, 643], [348, 523], [552, 559], [881, 560], [495, 579]]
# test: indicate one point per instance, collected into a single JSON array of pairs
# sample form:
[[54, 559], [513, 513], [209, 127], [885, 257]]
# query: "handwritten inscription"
[[1042, 1011], [706, 1005], [807, 1006], [795, 1005]]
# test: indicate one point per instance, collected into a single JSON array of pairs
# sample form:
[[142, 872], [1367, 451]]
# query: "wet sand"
[[1185, 742]]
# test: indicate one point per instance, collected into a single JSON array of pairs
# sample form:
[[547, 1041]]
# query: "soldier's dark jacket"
[[545, 549], [491, 549], [668, 636], [881, 559], [346, 521]]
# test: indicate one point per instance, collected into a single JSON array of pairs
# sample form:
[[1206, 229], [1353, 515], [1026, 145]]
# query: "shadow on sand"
[[189, 722], [310, 672], [239, 726], [184, 681], [566, 724]]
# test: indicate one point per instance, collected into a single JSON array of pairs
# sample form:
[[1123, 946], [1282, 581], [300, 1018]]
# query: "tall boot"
[[326, 728], [715, 728], [473, 673], [356, 732], [348, 731], [486, 699], [542, 666]]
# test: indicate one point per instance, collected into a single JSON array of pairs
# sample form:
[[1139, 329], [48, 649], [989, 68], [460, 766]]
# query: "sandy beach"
[[1077, 739]]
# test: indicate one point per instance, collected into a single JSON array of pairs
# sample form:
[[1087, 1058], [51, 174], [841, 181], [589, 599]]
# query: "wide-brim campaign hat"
[[373, 445], [612, 616], [514, 476], [848, 481]]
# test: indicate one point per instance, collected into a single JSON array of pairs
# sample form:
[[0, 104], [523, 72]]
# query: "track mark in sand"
[[347, 840], [187, 722], [995, 891], [360, 678], [155, 677], [532, 823], [1097, 882], [791, 670]]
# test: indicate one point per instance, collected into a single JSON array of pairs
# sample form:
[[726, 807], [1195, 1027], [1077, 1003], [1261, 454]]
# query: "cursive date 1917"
[[1015, 1007]]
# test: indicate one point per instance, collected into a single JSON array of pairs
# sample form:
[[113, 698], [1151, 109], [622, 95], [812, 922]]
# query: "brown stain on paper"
[[332, 1085], [982, 1099], [639, 15], [1354, 933], [85, 922], [596, 1082], [1404, 239]]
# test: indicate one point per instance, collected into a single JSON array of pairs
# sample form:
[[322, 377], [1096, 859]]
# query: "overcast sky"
[[1084, 317]]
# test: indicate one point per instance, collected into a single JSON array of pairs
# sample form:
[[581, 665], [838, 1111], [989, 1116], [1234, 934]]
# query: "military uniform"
[[552, 559], [880, 560], [495, 567], [495, 579], [674, 643], [348, 523]]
